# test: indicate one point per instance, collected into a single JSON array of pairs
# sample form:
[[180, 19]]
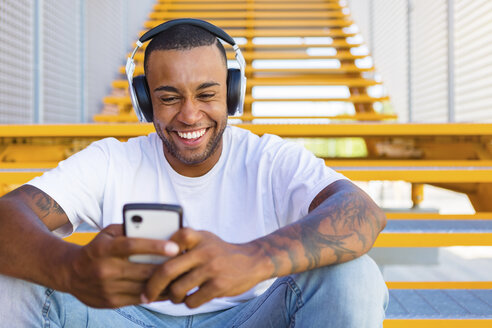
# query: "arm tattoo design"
[[343, 221], [44, 203]]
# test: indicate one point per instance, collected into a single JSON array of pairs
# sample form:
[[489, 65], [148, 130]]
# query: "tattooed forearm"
[[342, 224], [315, 242]]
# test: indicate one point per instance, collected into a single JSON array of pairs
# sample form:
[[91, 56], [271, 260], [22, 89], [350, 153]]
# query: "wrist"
[[263, 265], [62, 266]]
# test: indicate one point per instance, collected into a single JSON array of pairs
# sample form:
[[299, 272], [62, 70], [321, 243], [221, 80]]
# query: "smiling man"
[[272, 237]]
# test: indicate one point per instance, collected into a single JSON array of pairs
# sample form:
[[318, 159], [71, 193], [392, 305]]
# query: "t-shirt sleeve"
[[297, 177], [77, 185]]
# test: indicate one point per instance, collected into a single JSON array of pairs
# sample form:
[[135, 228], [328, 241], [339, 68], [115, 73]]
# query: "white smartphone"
[[154, 221]]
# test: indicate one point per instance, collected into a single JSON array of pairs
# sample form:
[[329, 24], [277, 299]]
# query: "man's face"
[[189, 99]]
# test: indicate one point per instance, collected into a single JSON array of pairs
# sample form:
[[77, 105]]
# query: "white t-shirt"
[[258, 185]]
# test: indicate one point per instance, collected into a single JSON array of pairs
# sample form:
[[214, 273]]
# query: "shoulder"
[[246, 139], [115, 147], [268, 149]]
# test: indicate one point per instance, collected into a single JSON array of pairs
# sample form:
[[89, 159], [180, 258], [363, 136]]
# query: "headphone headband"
[[188, 21]]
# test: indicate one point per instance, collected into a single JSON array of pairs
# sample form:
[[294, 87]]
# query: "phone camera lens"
[[137, 219]]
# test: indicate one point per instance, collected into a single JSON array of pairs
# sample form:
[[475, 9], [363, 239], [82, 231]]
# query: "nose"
[[189, 112]]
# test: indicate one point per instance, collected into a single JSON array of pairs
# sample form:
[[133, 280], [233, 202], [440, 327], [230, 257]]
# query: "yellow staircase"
[[316, 25]]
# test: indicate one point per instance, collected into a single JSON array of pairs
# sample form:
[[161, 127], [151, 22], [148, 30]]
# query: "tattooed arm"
[[343, 224], [28, 248], [99, 274]]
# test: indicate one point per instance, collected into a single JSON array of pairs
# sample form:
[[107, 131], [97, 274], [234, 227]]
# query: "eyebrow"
[[169, 88], [207, 85], [166, 88]]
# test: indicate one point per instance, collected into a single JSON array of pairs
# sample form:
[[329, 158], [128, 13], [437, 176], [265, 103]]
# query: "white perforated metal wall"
[[360, 11], [105, 49], [59, 57], [449, 56], [429, 61], [112, 28], [390, 51], [62, 57], [16, 61], [473, 60]]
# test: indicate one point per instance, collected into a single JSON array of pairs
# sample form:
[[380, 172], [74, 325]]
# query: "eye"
[[168, 100], [206, 95]]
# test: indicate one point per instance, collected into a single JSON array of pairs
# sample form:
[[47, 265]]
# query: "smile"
[[192, 134]]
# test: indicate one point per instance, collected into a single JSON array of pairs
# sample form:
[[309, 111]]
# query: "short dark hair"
[[183, 37]]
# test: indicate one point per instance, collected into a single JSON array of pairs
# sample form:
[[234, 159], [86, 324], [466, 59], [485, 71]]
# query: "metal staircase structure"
[[453, 156]]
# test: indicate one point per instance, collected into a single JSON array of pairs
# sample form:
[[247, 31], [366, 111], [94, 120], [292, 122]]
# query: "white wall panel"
[[390, 51], [61, 61], [59, 57], [105, 50], [360, 11], [16, 61], [429, 73], [136, 14], [112, 28], [473, 60]]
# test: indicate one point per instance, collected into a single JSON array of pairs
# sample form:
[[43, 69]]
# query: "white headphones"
[[139, 89]]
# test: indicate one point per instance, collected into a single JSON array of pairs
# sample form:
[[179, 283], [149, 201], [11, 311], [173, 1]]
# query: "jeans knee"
[[351, 294], [20, 301], [360, 281]]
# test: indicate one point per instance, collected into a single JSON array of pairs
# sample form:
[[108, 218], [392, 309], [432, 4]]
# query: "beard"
[[197, 158]]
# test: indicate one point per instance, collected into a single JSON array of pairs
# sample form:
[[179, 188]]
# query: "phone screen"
[[154, 221]]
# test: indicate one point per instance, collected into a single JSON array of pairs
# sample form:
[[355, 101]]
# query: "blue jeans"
[[347, 295]]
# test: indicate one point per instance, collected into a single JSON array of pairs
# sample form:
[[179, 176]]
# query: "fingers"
[[187, 238], [114, 294], [168, 272], [205, 293], [184, 272], [136, 271], [180, 287], [124, 247], [112, 242]]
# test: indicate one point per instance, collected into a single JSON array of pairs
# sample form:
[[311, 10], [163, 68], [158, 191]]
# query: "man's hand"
[[216, 267], [100, 274]]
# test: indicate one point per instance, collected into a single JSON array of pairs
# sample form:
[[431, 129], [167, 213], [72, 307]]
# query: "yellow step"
[[125, 101], [275, 55], [269, 23], [282, 81], [96, 130], [344, 69], [384, 239], [437, 216], [299, 32], [437, 323], [131, 117], [414, 175], [246, 6], [206, 15]]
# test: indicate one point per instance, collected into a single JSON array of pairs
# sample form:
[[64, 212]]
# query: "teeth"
[[192, 135]]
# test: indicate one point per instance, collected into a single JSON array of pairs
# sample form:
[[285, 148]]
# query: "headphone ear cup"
[[143, 96], [233, 90]]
